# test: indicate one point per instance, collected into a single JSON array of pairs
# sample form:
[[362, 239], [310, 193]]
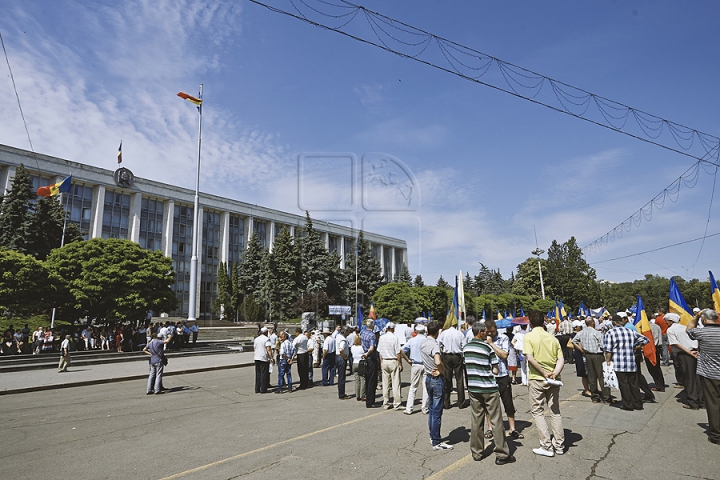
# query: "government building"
[[116, 204]]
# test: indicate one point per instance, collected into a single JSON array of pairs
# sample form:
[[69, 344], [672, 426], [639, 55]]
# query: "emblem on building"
[[124, 177]]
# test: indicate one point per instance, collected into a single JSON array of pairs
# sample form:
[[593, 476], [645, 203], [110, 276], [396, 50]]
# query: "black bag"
[[362, 367], [164, 360]]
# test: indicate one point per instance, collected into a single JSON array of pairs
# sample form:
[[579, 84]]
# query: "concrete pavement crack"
[[597, 462]]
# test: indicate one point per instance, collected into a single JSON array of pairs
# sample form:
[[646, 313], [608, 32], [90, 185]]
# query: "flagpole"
[[62, 244], [196, 217]]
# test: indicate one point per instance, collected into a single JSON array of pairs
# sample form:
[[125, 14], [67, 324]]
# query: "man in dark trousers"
[[369, 344]]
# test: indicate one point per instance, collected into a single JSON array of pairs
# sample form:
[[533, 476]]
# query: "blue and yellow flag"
[[52, 190], [715, 291], [677, 304], [643, 326]]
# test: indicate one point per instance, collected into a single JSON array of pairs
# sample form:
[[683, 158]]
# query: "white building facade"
[[159, 216]]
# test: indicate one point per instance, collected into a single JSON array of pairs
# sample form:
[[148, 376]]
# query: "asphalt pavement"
[[211, 425]]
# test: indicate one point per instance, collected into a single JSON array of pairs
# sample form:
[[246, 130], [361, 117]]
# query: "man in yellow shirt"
[[545, 362]]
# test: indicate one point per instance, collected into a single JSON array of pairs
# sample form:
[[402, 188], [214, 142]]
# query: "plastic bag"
[[271, 368], [609, 376]]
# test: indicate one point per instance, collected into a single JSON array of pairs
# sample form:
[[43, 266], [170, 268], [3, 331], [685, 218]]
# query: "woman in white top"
[[517, 343], [357, 352]]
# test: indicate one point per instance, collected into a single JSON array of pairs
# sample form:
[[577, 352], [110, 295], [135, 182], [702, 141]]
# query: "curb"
[[86, 383]]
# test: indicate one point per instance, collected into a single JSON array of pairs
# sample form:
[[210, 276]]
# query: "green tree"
[[237, 295], [225, 289], [396, 302], [27, 286], [283, 276], [250, 269], [404, 276], [489, 281], [443, 284], [369, 277], [46, 223], [438, 302], [113, 279], [251, 310], [570, 276], [527, 280], [16, 211], [418, 282], [314, 259]]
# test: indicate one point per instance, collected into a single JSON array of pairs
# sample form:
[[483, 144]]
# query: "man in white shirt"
[[351, 341], [272, 336], [64, 355], [328, 354], [451, 343], [263, 359], [686, 351], [303, 357], [413, 355], [342, 354], [312, 349], [391, 366]]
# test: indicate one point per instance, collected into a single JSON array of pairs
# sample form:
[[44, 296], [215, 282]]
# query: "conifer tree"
[[283, 276], [250, 269], [16, 213]]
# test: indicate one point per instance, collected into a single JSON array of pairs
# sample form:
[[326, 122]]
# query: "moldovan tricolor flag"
[[52, 190], [372, 315], [715, 292], [190, 98], [678, 304], [643, 326], [120, 153]]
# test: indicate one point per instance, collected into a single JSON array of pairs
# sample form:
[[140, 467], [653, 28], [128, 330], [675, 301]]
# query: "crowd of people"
[[485, 362], [121, 338]]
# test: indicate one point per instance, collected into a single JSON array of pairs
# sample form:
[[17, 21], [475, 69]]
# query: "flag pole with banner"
[[643, 326], [192, 311], [715, 292], [678, 304]]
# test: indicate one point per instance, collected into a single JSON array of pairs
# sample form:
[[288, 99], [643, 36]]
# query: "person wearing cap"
[[391, 366], [708, 366], [328, 356], [434, 385], [500, 343], [286, 354], [368, 340], [619, 345], [312, 349], [263, 359], [671, 319], [64, 355], [589, 342], [412, 355], [686, 351], [451, 343]]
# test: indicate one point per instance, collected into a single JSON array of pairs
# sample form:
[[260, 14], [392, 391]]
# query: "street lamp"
[[537, 252]]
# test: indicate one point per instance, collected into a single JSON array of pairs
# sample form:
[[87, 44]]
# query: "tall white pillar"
[[7, 178], [250, 226], [393, 268], [342, 251], [271, 242], [167, 230], [224, 237], [134, 220], [97, 211]]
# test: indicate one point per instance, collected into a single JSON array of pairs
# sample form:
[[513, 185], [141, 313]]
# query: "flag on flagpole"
[[715, 291], [643, 326], [452, 317], [52, 190], [190, 98], [120, 153], [461, 300], [484, 315], [678, 304], [372, 315], [359, 316], [499, 315], [522, 312]]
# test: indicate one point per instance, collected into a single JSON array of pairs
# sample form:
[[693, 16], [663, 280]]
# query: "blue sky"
[[461, 171]]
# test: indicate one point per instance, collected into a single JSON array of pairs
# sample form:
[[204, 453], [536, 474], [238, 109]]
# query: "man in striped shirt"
[[481, 365], [708, 366]]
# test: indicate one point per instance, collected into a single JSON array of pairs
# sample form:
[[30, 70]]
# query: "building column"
[[342, 251], [393, 268], [327, 241], [250, 226], [97, 211], [200, 256], [6, 179], [135, 209], [381, 252], [225, 237], [271, 242], [167, 230]]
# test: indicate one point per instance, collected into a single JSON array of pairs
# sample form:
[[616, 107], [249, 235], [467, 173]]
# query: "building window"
[[333, 244], [181, 255], [387, 264], [260, 228], [79, 204], [236, 242], [398, 261], [349, 248], [151, 224], [209, 262], [116, 215]]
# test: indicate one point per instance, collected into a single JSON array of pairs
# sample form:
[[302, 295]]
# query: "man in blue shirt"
[[369, 344], [411, 353]]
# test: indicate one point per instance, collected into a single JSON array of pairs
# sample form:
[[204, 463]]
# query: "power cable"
[[656, 249], [471, 64]]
